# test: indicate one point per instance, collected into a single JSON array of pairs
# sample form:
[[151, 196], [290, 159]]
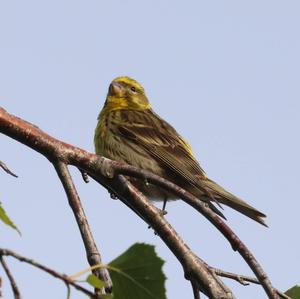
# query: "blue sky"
[[225, 74]]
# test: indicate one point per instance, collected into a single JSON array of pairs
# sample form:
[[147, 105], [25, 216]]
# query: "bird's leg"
[[164, 211], [112, 194]]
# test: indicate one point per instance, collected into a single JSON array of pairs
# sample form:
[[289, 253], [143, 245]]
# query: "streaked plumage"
[[128, 130]]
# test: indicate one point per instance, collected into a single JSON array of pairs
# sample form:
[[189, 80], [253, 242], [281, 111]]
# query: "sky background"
[[225, 74]]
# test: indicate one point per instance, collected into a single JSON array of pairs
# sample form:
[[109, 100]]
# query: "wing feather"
[[167, 147]]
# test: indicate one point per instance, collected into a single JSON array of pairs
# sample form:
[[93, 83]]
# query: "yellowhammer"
[[129, 131]]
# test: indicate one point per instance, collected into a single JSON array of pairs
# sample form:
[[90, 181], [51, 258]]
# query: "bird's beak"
[[116, 89]]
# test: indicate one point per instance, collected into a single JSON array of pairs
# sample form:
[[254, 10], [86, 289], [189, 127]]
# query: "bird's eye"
[[133, 88]]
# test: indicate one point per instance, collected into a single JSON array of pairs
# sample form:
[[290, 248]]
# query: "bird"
[[129, 131]]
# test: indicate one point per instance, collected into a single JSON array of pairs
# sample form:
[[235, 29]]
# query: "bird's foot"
[[162, 213], [85, 176], [113, 195]]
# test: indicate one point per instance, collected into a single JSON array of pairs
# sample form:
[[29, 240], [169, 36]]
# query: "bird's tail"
[[228, 199]]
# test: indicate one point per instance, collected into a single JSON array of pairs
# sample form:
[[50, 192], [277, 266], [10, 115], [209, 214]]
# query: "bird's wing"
[[166, 146]]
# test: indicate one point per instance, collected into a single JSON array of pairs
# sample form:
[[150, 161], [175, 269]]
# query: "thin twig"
[[243, 279], [93, 255], [68, 291], [6, 169], [13, 284], [282, 295], [62, 277]]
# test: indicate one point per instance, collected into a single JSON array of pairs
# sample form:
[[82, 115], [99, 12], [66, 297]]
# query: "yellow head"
[[126, 93]]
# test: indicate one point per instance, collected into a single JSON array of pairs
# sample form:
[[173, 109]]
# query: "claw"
[[85, 176], [113, 195]]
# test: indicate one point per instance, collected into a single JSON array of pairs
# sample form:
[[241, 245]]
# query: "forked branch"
[[62, 277], [244, 280]]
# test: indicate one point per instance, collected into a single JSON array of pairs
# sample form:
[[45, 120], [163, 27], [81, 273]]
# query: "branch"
[[194, 267], [6, 169], [105, 169], [236, 243], [93, 255], [11, 279], [62, 277], [243, 279]]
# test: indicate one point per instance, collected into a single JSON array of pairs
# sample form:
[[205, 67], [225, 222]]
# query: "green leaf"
[[294, 292], [95, 282], [4, 217], [137, 274]]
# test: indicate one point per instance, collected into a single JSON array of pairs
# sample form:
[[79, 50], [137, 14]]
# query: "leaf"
[[294, 292], [95, 282], [5, 218], [137, 274]]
